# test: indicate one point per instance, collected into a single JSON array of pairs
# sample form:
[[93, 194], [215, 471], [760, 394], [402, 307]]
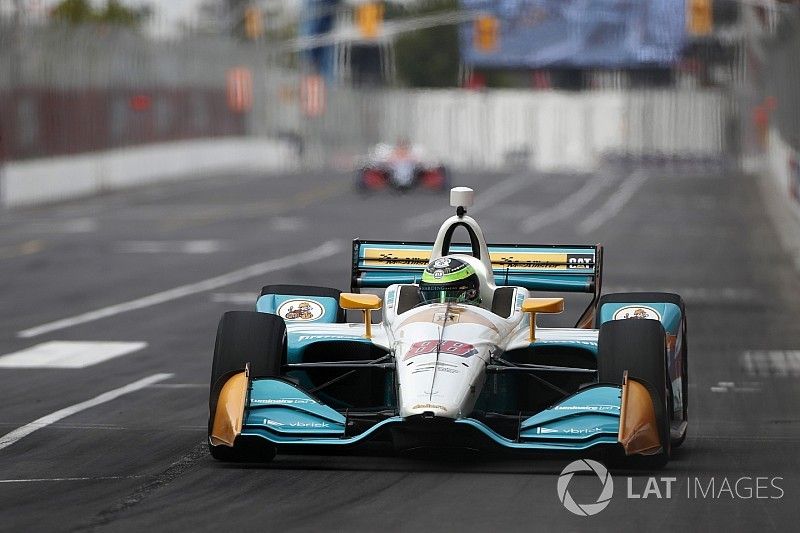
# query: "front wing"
[[283, 414]]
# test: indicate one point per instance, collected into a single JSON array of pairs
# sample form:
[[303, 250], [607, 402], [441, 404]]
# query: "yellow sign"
[[369, 18], [486, 29], [700, 17]]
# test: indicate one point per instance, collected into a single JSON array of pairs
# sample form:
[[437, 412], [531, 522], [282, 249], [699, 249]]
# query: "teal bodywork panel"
[[290, 307], [283, 414]]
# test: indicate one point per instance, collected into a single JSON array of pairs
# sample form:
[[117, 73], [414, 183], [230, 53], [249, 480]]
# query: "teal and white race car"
[[457, 358]]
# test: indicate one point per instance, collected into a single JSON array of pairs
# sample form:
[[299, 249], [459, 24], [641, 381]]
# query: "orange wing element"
[[229, 415], [638, 430]]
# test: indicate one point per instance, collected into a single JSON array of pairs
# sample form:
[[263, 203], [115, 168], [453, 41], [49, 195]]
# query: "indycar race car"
[[457, 359], [401, 168]]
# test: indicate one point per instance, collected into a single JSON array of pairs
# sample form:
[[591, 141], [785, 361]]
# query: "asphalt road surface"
[[116, 441]]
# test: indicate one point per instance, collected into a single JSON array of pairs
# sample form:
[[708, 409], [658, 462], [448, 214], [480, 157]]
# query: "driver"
[[449, 279]]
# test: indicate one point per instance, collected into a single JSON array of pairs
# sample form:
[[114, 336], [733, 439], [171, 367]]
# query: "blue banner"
[[578, 33]]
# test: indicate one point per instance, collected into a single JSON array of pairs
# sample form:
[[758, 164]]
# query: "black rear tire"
[[638, 346], [307, 290], [246, 337]]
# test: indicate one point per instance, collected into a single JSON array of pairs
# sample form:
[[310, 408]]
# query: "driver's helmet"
[[449, 279]]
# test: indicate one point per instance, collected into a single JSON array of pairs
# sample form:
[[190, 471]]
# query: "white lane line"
[[730, 386], [180, 386], [780, 363], [68, 354], [694, 294], [570, 205], [37, 480], [325, 250], [615, 203], [207, 246], [238, 298], [483, 200], [10, 438]]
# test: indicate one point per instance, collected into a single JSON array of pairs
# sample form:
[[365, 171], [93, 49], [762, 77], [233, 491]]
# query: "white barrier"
[[783, 206], [60, 178], [556, 130]]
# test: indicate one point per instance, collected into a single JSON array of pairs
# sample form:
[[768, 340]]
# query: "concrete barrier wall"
[[38, 181]]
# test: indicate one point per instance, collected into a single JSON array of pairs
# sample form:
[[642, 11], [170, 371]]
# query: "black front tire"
[[245, 337], [634, 298], [638, 346]]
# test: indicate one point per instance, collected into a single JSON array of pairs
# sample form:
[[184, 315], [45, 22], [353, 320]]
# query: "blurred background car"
[[400, 167]]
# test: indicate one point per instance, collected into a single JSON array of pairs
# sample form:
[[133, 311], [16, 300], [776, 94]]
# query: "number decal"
[[460, 349]]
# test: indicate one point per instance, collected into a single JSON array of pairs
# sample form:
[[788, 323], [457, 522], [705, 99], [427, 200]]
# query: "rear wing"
[[537, 267]]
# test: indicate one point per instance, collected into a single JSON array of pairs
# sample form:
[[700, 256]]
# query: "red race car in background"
[[400, 167]]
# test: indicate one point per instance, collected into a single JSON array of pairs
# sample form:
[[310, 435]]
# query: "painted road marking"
[[569, 206], [780, 363], [287, 224], [327, 249], [68, 354], [179, 386], [160, 247], [10, 438], [41, 479], [730, 386], [237, 298], [75, 225], [693, 294], [615, 203], [483, 200]]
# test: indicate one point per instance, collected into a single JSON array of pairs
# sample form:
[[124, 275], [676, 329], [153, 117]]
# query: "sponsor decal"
[[586, 509], [303, 425], [446, 317], [600, 408], [442, 262], [440, 367], [582, 261], [531, 260], [282, 401], [516, 260], [637, 312], [579, 343], [569, 431], [390, 298], [301, 310], [328, 337], [518, 303], [461, 349], [393, 257], [429, 406]]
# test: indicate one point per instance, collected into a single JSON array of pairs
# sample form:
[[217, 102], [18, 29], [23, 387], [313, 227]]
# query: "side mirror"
[[541, 305], [363, 302]]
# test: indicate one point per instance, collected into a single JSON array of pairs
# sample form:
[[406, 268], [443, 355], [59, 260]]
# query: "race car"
[[401, 167], [457, 358]]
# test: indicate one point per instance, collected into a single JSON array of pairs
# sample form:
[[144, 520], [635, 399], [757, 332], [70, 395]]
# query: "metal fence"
[[66, 90]]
